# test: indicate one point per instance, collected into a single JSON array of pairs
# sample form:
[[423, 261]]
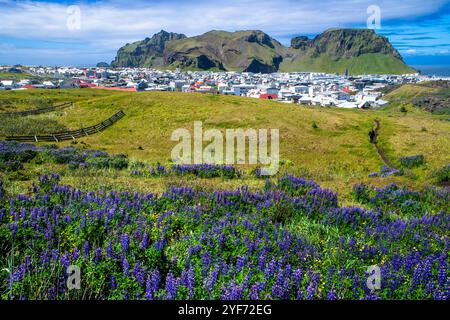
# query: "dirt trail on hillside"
[[373, 136]]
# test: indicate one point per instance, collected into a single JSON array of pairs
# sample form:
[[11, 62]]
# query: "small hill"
[[355, 51], [431, 96]]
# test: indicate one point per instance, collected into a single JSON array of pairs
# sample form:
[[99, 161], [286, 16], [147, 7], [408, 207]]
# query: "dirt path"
[[373, 136]]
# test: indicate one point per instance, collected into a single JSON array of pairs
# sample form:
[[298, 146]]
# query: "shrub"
[[296, 186], [118, 162], [206, 170], [11, 165], [442, 175], [16, 151], [412, 161]]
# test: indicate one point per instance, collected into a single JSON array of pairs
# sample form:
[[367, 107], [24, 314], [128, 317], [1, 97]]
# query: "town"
[[307, 88]]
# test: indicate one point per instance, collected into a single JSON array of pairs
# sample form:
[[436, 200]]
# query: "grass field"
[[337, 154], [139, 227]]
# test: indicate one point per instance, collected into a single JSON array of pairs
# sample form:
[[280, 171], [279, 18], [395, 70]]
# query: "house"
[[300, 89], [272, 91], [7, 84], [177, 84], [203, 88], [70, 84], [348, 105], [364, 105], [48, 85], [186, 88], [306, 99]]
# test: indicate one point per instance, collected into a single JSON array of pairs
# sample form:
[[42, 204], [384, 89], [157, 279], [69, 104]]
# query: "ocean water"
[[434, 70]]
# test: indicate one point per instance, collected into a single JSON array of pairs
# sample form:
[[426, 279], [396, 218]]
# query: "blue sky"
[[37, 32]]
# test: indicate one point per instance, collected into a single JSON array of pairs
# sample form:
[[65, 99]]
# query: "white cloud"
[[112, 23], [107, 25]]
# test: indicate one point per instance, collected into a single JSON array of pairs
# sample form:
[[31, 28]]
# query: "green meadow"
[[328, 145]]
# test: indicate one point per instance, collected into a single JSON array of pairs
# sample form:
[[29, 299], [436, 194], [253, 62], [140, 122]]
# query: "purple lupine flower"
[[240, 263], [14, 227], [188, 280], [124, 242], [211, 281], [144, 242], [97, 255], [65, 260], [255, 290], [442, 273], [139, 273], [171, 287], [125, 267], [232, 292], [109, 250], [76, 253], [86, 250], [112, 282], [297, 277], [270, 270], [331, 295], [310, 292], [152, 285]]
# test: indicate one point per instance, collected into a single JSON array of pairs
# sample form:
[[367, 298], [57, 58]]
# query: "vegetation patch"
[[412, 161], [224, 244]]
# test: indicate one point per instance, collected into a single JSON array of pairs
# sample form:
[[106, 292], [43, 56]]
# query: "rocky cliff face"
[[146, 53], [348, 43], [238, 51], [255, 51]]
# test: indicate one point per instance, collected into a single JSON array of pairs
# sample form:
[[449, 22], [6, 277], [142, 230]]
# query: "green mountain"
[[355, 51], [146, 53]]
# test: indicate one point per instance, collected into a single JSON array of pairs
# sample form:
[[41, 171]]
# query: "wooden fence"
[[70, 135], [37, 111]]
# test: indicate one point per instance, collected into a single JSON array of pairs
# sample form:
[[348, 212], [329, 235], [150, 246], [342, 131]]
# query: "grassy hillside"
[[335, 151], [363, 64], [421, 96], [14, 76]]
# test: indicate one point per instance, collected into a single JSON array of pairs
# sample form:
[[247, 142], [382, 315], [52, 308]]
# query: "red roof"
[[117, 89], [87, 85], [269, 96]]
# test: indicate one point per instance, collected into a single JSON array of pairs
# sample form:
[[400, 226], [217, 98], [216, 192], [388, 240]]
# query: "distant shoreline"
[[434, 70]]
